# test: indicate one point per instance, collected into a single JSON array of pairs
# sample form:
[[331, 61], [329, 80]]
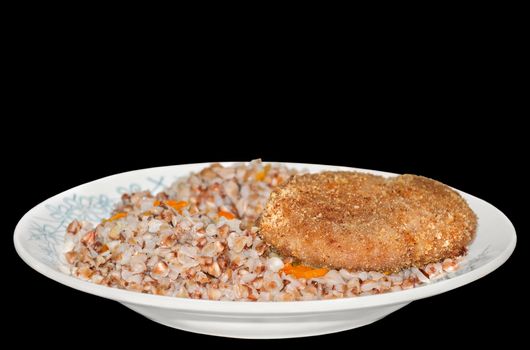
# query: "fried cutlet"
[[366, 222]]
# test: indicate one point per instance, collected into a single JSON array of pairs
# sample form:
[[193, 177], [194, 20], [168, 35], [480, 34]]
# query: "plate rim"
[[272, 308]]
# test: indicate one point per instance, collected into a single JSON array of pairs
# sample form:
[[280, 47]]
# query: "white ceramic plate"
[[39, 237]]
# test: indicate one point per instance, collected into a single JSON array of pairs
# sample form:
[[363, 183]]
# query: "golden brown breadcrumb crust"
[[361, 221]]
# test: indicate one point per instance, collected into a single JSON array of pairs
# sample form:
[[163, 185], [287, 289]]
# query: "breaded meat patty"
[[365, 222]]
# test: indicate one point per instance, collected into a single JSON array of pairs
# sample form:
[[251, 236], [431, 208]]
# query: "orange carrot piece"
[[115, 217], [260, 175], [301, 271], [226, 214], [178, 206], [315, 273]]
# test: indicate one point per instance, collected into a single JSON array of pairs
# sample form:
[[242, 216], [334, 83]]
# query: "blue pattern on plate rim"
[[468, 264], [48, 233]]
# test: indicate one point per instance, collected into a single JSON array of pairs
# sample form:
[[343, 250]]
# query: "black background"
[[79, 120]]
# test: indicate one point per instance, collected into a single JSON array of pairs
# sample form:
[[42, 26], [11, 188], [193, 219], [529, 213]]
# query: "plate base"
[[266, 327]]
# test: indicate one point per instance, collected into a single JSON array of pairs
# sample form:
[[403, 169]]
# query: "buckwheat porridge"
[[199, 239]]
